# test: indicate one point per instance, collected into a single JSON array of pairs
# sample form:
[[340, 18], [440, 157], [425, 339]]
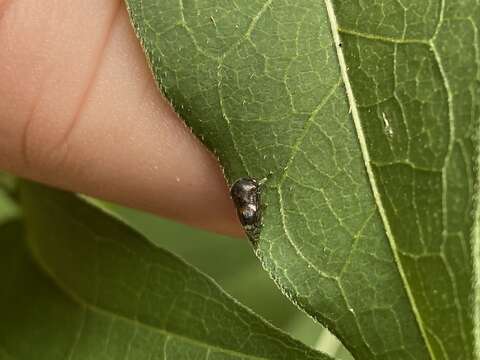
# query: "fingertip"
[[102, 127]]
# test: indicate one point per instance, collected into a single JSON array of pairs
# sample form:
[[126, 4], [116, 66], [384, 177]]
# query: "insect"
[[245, 193]]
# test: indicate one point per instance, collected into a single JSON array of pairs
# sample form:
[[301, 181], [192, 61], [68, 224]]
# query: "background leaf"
[[369, 151], [235, 268], [8, 207], [102, 291], [237, 271]]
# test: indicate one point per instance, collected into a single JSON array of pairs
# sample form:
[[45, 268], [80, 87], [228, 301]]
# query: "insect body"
[[245, 193]]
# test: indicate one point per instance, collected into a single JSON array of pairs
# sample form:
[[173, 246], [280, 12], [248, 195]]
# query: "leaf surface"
[[363, 117], [101, 291]]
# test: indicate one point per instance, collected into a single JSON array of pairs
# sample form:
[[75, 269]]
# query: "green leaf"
[[86, 286], [237, 271], [363, 117], [8, 207], [6, 180]]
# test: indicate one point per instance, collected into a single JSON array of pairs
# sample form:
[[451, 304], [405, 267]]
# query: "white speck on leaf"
[[387, 128]]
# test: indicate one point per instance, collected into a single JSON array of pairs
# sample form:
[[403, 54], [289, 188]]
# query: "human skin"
[[79, 110]]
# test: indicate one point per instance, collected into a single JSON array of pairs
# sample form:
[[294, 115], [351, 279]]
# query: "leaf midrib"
[[476, 261], [366, 158]]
